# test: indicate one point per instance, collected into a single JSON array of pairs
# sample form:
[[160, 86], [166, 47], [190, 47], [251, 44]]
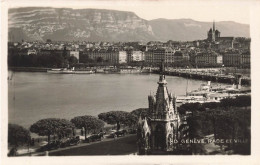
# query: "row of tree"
[[48, 60], [233, 124], [17, 135], [229, 119]]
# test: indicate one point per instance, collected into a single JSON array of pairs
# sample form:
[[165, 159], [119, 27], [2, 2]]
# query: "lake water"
[[33, 96]]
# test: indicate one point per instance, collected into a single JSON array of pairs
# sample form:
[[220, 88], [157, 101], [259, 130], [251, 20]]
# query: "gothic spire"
[[162, 68], [213, 25]]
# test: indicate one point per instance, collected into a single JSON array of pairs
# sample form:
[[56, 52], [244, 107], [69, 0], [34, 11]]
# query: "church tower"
[[213, 33], [163, 118]]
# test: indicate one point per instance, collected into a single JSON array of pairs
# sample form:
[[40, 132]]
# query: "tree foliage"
[[140, 111], [52, 126], [88, 123], [117, 117], [232, 124], [17, 135], [226, 120], [72, 60]]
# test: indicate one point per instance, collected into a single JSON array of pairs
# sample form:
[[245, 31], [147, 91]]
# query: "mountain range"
[[66, 24]]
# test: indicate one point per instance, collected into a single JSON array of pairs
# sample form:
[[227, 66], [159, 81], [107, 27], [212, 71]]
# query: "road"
[[120, 146]]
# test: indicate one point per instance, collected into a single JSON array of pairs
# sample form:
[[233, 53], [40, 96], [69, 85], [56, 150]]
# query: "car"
[[51, 146], [65, 143], [132, 131], [121, 133], [74, 141], [94, 137], [111, 134]]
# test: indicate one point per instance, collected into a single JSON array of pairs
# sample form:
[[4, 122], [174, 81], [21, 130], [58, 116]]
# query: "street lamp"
[[222, 68]]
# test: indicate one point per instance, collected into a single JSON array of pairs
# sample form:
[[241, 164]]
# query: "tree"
[[52, 126], [243, 101], [17, 135], [88, 123], [190, 107], [72, 60], [140, 111], [131, 120], [116, 117]]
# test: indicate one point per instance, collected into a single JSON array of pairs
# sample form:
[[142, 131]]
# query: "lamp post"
[[222, 69]]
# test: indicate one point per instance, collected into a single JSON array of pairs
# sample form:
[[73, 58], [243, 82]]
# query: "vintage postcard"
[[165, 79]]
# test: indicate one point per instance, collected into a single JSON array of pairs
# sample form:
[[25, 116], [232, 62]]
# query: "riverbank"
[[28, 69], [94, 69]]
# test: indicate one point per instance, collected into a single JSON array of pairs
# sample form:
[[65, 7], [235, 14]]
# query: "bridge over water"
[[208, 76]]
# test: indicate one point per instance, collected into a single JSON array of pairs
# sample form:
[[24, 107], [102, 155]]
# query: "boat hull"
[[60, 71]]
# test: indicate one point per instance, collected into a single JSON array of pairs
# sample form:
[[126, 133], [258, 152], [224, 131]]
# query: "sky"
[[204, 10]]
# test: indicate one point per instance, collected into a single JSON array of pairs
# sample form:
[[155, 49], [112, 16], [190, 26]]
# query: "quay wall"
[[28, 69], [207, 77]]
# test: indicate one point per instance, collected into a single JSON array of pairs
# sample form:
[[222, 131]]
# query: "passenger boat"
[[69, 71], [146, 70], [60, 71], [207, 93], [83, 72]]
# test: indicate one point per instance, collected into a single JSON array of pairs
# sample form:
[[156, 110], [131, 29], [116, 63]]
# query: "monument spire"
[[162, 80], [162, 69]]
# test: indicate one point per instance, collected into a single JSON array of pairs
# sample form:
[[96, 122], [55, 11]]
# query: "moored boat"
[[83, 72], [208, 93], [70, 71], [60, 71]]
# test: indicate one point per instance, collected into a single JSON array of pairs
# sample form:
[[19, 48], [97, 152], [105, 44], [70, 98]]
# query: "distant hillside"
[[189, 30], [64, 24]]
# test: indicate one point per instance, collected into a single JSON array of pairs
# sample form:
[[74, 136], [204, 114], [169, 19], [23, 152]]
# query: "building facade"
[[133, 56], [158, 55], [208, 58], [245, 59], [231, 59], [169, 55], [148, 56], [236, 59], [180, 57], [122, 57], [106, 55]]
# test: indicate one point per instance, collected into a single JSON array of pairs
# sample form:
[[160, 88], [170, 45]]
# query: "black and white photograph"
[[122, 78]]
